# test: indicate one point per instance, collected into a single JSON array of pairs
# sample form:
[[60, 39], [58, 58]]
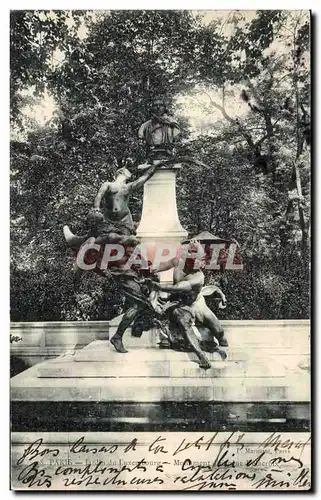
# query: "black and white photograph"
[[160, 250]]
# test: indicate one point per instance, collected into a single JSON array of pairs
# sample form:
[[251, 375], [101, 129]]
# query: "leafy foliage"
[[256, 186]]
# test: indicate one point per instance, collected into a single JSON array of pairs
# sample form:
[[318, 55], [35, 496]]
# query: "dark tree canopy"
[[111, 66]]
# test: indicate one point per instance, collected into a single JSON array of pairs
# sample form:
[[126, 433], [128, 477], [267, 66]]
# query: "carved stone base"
[[265, 382]]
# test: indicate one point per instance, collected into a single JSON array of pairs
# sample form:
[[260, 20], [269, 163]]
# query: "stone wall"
[[33, 342]]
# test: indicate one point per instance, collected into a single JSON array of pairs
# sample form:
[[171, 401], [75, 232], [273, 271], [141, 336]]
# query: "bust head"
[[158, 107], [129, 163]]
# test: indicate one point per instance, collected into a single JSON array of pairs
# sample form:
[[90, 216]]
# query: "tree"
[[34, 37], [103, 86]]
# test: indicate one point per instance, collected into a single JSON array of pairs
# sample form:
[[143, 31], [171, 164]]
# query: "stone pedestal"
[[264, 382], [160, 222]]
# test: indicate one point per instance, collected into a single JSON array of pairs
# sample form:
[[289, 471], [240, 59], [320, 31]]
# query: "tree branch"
[[234, 121]]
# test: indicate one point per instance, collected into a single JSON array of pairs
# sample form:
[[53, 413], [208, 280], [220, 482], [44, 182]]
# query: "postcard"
[[160, 250]]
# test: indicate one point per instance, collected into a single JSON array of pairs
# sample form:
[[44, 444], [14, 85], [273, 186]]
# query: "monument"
[[163, 363], [160, 221], [159, 224]]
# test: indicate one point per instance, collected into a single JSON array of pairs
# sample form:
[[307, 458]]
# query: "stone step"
[[162, 369], [152, 417], [295, 387], [103, 351], [256, 336]]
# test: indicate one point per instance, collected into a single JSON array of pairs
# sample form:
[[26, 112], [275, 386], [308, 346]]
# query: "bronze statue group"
[[178, 310]]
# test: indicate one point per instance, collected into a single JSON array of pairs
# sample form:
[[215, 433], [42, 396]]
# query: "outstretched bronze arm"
[[182, 286], [142, 179], [182, 159], [179, 287], [166, 120]]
